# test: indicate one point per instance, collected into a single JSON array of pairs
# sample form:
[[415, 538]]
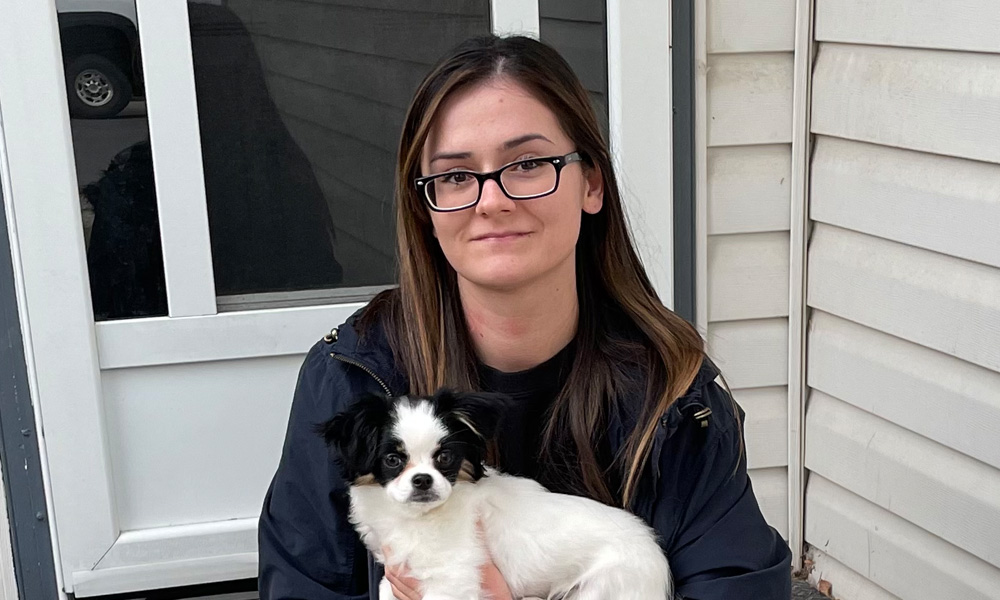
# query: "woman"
[[518, 274]]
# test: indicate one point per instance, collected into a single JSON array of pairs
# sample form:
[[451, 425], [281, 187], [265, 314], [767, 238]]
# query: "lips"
[[499, 236]]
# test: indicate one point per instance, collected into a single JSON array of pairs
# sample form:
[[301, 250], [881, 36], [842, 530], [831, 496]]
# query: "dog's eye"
[[392, 461], [444, 458]]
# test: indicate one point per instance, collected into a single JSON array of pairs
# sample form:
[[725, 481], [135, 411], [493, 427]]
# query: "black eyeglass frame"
[[556, 161]]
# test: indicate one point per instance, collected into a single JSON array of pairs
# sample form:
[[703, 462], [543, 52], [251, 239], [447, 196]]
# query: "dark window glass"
[[300, 107], [578, 30], [100, 49]]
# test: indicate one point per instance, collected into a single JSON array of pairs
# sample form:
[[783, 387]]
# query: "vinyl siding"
[[903, 415], [749, 133]]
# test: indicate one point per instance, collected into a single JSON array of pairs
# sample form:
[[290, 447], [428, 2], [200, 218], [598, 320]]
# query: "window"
[[105, 95], [578, 30], [300, 107]]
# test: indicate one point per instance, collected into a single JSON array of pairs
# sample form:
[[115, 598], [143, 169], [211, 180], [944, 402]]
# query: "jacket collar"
[[623, 421], [372, 353], [369, 351]]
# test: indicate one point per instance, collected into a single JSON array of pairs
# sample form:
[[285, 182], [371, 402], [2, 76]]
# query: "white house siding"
[[749, 134], [342, 73], [903, 363]]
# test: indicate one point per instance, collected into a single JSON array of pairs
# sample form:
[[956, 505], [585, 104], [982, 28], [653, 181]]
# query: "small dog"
[[418, 487]]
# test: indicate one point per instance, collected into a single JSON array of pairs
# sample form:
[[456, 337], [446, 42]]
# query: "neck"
[[520, 329]]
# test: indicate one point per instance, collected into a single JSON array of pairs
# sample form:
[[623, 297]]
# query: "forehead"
[[483, 117], [416, 426]]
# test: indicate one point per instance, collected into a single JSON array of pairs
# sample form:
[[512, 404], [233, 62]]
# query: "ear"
[[593, 201], [334, 430], [481, 412], [353, 434]]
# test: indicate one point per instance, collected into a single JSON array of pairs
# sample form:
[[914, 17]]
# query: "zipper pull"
[[702, 416]]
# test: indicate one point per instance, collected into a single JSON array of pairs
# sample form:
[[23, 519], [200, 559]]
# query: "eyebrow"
[[508, 145]]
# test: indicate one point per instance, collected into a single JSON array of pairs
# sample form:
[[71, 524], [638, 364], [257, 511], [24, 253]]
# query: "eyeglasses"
[[520, 180]]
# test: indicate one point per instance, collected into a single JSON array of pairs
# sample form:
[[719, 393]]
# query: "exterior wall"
[[744, 302], [903, 343]]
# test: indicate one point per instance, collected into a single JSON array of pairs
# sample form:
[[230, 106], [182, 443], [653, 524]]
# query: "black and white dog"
[[418, 486]]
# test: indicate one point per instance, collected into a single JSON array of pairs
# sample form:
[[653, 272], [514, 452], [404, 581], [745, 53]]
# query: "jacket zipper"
[[349, 361]]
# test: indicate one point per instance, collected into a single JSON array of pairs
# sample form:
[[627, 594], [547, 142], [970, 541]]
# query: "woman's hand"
[[492, 583], [406, 587]]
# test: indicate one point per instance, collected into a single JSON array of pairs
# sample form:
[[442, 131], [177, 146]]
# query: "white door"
[[159, 233]]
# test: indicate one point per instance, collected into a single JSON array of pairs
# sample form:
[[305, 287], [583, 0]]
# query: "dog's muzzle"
[[423, 488]]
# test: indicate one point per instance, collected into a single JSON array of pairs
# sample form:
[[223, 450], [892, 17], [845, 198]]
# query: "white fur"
[[546, 545], [419, 430]]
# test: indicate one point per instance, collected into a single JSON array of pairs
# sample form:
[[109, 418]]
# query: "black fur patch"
[[367, 452], [362, 441], [472, 419]]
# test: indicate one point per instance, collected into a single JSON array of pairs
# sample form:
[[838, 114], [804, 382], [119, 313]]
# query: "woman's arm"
[[717, 541], [308, 550]]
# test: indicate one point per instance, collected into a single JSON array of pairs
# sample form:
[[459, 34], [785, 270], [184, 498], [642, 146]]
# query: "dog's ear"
[[353, 434], [481, 412]]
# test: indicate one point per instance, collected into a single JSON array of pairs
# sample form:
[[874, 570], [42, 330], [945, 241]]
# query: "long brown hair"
[[426, 325]]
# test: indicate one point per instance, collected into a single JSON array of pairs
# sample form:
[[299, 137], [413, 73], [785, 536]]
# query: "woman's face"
[[500, 243]]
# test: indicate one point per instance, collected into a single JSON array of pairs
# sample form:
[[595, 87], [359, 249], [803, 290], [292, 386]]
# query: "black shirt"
[[532, 392]]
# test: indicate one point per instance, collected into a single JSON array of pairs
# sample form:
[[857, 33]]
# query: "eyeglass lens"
[[522, 180]]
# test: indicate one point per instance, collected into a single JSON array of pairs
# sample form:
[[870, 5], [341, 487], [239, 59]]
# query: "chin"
[[511, 277], [419, 487], [501, 274]]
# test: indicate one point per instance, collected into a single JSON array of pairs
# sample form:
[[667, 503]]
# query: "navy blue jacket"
[[695, 493]]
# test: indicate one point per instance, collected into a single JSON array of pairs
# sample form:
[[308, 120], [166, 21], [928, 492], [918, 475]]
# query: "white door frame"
[[640, 98], [640, 107], [66, 350], [8, 582], [510, 17], [40, 194]]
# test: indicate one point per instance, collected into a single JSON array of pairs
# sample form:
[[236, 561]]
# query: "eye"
[[392, 461], [527, 165], [444, 458], [457, 178]]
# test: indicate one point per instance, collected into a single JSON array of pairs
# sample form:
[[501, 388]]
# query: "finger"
[[404, 588], [401, 573], [400, 595], [410, 582], [401, 591]]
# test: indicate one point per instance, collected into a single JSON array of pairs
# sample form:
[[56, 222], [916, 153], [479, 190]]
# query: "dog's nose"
[[423, 481]]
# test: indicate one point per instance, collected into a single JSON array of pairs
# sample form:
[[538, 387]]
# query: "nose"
[[493, 200], [422, 481]]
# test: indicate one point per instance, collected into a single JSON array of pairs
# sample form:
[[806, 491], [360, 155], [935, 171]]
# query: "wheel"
[[96, 87]]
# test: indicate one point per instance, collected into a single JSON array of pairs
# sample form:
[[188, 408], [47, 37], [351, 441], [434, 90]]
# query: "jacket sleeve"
[[718, 543], [307, 548]]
